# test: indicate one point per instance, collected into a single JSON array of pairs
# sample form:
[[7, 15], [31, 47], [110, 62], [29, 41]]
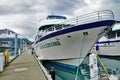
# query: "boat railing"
[[91, 17], [84, 19]]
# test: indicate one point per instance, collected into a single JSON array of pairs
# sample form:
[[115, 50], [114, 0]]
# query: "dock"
[[24, 67]]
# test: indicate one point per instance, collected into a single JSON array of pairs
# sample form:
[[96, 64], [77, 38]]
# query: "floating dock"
[[24, 67]]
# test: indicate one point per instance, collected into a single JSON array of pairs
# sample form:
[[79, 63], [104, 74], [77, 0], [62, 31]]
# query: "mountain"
[[9, 35]]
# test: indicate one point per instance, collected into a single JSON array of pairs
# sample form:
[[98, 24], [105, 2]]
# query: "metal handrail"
[[87, 18], [91, 17]]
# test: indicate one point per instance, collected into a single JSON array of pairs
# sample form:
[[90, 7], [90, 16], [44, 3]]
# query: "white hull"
[[73, 62], [69, 47], [109, 50], [67, 44], [109, 45]]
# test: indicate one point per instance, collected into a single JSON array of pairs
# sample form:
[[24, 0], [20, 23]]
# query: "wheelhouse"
[[114, 33]]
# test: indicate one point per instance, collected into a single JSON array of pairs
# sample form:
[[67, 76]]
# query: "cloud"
[[23, 16], [112, 5], [93, 4], [61, 6], [20, 23], [18, 6], [90, 6]]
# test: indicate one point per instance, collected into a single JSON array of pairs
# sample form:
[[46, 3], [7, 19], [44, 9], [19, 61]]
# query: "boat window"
[[68, 25], [111, 34], [55, 17], [58, 27], [38, 36], [118, 33], [50, 29]]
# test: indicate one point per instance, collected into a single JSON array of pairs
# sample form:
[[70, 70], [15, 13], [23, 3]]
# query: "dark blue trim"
[[108, 42], [65, 66], [56, 17], [115, 57], [109, 56], [77, 28]]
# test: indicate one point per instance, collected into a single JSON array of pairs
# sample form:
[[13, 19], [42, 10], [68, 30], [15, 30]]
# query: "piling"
[[52, 73]]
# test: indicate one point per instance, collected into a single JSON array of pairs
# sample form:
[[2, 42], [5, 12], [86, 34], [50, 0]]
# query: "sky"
[[23, 16]]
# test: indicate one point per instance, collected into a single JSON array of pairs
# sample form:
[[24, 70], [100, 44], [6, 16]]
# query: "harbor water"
[[64, 72], [68, 72]]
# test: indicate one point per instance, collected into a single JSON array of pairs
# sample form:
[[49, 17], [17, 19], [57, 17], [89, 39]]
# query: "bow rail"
[[91, 17]]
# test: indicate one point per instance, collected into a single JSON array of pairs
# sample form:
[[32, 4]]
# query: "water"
[[68, 72], [11, 52], [112, 65], [64, 73]]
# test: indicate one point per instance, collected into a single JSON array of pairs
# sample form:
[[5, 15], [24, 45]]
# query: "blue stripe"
[[107, 56], [108, 42], [77, 28], [65, 66], [115, 57]]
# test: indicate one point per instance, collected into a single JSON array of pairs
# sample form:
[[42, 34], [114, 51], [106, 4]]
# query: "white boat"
[[69, 41], [109, 44]]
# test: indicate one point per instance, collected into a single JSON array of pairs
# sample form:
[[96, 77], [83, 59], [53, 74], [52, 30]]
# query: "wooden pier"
[[24, 67]]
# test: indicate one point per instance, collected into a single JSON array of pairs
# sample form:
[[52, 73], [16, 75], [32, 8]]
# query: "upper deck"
[[84, 19], [53, 25], [55, 17]]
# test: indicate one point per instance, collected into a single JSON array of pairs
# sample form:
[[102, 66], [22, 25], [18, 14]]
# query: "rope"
[[81, 49], [101, 63]]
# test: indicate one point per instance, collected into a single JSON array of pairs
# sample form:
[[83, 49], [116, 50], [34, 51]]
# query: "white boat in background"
[[67, 41], [109, 44]]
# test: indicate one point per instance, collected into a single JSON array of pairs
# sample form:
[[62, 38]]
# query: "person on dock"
[[6, 57]]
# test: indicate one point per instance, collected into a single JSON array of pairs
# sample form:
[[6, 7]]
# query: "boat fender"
[[97, 47]]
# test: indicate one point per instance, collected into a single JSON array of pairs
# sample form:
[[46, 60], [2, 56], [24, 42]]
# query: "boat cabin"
[[56, 17], [114, 33], [111, 38], [53, 23]]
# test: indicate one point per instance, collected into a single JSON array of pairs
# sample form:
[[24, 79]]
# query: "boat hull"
[[70, 43], [109, 50]]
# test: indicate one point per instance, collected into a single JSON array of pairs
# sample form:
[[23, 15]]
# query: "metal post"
[[20, 46], [15, 53], [23, 45], [52, 73], [98, 15]]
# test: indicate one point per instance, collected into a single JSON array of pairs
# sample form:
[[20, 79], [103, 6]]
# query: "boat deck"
[[24, 67]]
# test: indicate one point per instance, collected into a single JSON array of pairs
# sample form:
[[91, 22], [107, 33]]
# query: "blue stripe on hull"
[[115, 57], [103, 42], [110, 56], [65, 66], [77, 28]]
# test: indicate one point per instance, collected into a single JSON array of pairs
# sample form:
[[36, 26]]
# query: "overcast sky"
[[22, 16]]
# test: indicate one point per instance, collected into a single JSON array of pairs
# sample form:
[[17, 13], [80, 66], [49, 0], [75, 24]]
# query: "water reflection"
[[68, 72]]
